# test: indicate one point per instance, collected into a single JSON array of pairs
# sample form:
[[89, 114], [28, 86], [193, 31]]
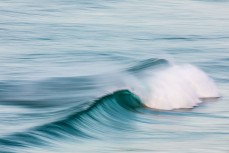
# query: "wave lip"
[[179, 86]]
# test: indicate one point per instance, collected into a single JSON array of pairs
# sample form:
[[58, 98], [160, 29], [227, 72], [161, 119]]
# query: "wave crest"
[[179, 86]]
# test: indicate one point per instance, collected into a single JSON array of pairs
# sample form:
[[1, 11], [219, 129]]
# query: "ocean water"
[[103, 76]]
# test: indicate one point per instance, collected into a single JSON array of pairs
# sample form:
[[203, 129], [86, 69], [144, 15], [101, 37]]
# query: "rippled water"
[[114, 76]]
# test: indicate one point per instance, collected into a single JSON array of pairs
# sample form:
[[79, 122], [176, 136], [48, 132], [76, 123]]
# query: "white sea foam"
[[179, 86]]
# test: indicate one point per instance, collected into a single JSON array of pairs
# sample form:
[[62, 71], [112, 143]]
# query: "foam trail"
[[179, 86]]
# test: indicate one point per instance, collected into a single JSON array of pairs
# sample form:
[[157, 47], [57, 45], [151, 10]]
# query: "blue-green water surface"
[[68, 69]]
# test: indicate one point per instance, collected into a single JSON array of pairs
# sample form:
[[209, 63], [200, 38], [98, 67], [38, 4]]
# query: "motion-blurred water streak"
[[114, 76]]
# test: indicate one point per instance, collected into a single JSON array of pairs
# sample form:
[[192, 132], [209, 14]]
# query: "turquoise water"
[[114, 76]]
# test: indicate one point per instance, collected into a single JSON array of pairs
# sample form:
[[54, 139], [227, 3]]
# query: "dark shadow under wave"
[[109, 112]]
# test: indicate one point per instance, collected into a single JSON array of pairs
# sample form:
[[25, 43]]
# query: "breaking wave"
[[154, 83]]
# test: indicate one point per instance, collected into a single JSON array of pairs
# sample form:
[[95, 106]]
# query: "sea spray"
[[179, 86]]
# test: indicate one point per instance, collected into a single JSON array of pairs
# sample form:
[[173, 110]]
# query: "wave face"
[[115, 108]]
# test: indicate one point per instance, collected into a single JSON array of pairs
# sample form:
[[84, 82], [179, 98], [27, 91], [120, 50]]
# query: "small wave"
[[149, 63], [153, 83]]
